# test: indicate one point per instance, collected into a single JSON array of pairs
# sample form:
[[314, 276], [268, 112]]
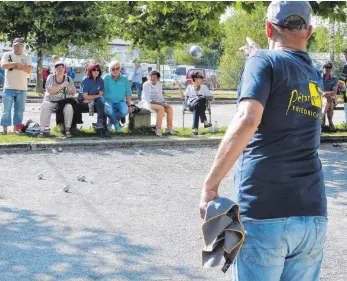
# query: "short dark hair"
[[154, 72], [328, 65], [196, 75]]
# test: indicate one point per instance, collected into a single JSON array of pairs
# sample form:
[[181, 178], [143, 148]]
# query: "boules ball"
[[195, 52], [82, 178], [40, 176], [66, 188], [54, 150], [60, 149]]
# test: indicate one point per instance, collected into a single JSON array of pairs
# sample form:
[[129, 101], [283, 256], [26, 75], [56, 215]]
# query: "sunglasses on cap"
[[115, 69], [96, 69], [328, 67]]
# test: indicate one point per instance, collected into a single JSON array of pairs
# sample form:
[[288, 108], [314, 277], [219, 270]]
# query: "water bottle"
[[216, 128], [210, 129], [91, 108], [65, 93]]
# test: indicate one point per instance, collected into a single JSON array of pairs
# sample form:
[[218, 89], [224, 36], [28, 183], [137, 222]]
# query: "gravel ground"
[[135, 218]]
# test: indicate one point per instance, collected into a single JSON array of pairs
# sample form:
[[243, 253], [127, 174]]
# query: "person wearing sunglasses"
[[330, 84], [117, 95], [92, 96]]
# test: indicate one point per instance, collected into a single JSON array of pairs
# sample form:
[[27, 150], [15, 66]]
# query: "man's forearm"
[[236, 139], [128, 100], [27, 68], [8, 65]]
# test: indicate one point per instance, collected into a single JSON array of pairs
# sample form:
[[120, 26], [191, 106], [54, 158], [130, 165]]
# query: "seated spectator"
[[58, 88], [330, 83], [153, 96], [91, 96], [117, 96], [196, 94]]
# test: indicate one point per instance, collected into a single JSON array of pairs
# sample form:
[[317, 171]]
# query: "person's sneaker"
[[106, 134], [158, 133], [207, 124], [4, 130], [332, 128], [68, 133], [195, 132], [117, 127], [170, 132], [18, 129]]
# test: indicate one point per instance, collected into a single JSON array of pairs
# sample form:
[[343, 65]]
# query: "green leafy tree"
[[55, 25], [240, 25], [156, 25]]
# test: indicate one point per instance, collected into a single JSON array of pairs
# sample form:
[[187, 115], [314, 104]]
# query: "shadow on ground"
[[34, 248]]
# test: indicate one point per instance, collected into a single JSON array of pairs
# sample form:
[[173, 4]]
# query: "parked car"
[[210, 77], [181, 72], [169, 80]]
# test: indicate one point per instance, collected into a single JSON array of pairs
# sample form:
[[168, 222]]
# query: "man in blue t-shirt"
[[274, 137], [117, 95]]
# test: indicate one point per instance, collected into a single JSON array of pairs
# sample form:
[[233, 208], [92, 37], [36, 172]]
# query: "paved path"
[[222, 113], [138, 221]]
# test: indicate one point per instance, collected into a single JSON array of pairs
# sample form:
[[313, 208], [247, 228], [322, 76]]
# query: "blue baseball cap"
[[279, 11]]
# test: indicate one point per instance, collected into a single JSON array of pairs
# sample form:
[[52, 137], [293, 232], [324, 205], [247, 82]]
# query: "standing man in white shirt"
[[137, 79], [17, 66], [153, 95]]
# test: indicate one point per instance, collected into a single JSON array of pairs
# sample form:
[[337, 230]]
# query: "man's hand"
[[130, 109], [72, 91], [207, 195], [18, 66], [326, 94]]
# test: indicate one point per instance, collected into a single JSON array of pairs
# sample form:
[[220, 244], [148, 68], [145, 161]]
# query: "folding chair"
[[186, 110]]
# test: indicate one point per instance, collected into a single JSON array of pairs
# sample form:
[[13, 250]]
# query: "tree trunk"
[[39, 81], [331, 40]]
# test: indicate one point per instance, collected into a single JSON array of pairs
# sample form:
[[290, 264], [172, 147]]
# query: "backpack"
[[31, 128]]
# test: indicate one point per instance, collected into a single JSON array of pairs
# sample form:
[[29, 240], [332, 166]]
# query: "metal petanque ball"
[[40, 176], [60, 149], [66, 188], [82, 178], [195, 52], [54, 150]]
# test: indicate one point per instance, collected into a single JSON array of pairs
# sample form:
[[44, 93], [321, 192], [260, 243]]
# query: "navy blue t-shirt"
[[90, 86], [280, 174]]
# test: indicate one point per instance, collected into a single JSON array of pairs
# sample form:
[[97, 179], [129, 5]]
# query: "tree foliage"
[[156, 25], [237, 28], [55, 24]]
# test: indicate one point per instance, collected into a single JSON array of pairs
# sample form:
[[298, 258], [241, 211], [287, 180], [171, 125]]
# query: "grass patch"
[[141, 133], [35, 94]]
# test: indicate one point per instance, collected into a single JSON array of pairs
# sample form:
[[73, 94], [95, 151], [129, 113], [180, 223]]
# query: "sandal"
[[68, 134]]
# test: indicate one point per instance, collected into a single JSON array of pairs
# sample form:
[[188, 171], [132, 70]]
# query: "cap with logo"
[[278, 13]]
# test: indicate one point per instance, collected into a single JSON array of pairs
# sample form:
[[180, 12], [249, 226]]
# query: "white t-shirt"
[[192, 93], [152, 92], [16, 79]]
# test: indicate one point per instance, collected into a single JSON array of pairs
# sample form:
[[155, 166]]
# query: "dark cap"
[[18, 41], [345, 50], [279, 11]]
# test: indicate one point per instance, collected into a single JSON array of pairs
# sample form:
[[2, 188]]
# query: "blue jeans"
[[18, 97], [138, 89], [345, 107], [122, 111], [284, 249]]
